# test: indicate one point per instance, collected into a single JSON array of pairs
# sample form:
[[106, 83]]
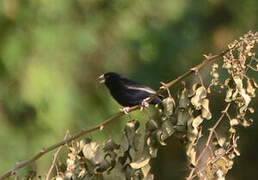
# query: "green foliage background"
[[51, 53]]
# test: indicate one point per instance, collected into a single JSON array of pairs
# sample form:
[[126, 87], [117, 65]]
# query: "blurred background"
[[51, 53]]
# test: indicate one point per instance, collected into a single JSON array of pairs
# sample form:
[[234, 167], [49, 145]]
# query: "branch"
[[212, 131], [208, 59]]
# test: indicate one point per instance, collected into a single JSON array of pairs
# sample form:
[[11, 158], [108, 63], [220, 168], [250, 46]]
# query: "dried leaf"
[[91, 151], [197, 121], [110, 145], [160, 138], [220, 175], [231, 156], [140, 163], [251, 87], [205, 109], [182, 117], [145, 170], [242, 92], [246, 123], [168, 106], [151, 125], [183, 99], [251, 110], [167, 129], [192, 155], [197, 99], [222, 141], [234, 122]]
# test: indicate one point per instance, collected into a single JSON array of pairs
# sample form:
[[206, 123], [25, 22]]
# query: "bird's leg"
[[145, 103], [125, 110]]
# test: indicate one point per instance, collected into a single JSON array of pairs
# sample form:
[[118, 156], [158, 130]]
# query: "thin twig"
[[252, 68], [53, 162], [207, 60], [207, 144], [55, 158]]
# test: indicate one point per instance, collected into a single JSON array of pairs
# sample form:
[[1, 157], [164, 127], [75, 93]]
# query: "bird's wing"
[[130, 84], [141, 88]]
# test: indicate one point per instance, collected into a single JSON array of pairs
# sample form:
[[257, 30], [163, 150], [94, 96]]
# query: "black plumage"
[[127, 92]]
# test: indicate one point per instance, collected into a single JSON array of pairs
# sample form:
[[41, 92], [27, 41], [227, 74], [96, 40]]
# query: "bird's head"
[[109, 78]]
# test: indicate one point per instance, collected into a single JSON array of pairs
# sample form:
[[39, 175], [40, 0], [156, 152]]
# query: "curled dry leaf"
[[197, 121], [251, 87], [183, 99], [222, 141], [160, 138], [191, 153], [205, 109], [168, 106], [197, 99], [234, 122], [140, 163], [242, 92], [90, 150], [146, 172]]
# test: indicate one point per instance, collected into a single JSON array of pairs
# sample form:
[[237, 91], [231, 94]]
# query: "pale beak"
[[101, 79]]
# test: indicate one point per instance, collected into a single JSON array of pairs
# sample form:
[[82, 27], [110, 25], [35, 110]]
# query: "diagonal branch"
[[208, 59]]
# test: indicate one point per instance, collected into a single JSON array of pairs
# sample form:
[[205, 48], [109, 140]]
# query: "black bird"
[[126, 92]]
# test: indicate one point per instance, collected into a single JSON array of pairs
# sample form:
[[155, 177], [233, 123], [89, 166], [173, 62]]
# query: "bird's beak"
[[101, 79]]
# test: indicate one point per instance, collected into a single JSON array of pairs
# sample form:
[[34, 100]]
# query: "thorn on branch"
[[209, 56], [101, 128]]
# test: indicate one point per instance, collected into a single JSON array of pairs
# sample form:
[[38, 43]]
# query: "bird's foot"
[[125, 110], [145, 103]]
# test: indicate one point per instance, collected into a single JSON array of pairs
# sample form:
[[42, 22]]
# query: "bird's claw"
[[125, 110], [145, 103]]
